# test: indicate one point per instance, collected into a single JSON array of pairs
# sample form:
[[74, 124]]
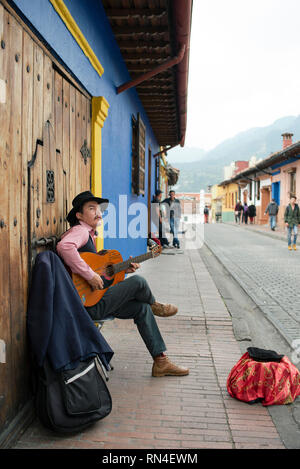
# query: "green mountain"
[[207, 169]]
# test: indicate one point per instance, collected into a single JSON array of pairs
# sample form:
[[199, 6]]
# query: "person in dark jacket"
[[156, 217], [174, 214], [292, 220], [245, 213], [206, 214], [237, 212], [272, 210], [251, 212]]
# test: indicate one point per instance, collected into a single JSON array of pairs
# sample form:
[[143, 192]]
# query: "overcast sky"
[[244, 67]]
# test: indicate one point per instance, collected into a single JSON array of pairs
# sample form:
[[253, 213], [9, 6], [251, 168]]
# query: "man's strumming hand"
[[96, 282]]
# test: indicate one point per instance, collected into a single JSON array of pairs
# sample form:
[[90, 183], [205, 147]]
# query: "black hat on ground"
[[80, 200]]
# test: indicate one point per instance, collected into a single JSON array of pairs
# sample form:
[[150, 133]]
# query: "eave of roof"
[[267, 163], [149, 33]]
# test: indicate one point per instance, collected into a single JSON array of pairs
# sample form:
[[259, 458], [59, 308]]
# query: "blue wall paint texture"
[[116, 134]]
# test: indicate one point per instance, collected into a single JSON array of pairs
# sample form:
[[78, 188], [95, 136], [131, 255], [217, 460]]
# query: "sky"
[[244, 68]]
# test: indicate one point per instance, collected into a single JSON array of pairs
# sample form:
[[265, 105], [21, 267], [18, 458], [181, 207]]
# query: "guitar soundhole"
[[108, 277], [109, 270], [107, 282]]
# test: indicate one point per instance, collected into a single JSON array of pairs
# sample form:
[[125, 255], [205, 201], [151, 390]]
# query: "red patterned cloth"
[[272, 382], [156, 240]]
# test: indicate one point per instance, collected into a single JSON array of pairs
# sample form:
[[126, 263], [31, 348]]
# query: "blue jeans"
[[174, 225], [272, 221], [293, 228]]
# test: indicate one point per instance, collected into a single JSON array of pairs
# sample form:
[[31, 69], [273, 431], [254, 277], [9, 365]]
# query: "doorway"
[[45, 160], [265, 200]]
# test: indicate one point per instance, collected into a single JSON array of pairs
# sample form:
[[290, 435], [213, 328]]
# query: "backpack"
[[71, 400]]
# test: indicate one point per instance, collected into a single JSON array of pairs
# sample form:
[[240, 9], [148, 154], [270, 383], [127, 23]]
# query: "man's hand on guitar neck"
[[96, 282], [133, 267]]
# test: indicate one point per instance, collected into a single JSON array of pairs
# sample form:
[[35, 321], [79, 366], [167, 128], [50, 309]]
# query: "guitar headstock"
[[154, 248]]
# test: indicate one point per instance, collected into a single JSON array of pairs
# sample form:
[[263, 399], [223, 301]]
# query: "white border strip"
[[84, 372]]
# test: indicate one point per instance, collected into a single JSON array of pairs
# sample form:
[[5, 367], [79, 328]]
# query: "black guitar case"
[[70, 401]]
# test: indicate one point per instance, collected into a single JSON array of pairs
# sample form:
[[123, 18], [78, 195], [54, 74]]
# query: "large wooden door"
[[45, 135], [265, 200], [60, 166]]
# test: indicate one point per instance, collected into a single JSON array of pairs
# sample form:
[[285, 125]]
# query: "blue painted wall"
[[276, 192], [116, 134]]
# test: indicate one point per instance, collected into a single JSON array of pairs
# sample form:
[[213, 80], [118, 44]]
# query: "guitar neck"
[[126, 264]]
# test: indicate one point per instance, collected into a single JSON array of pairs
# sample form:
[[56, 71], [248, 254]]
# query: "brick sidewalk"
[[194, 411]]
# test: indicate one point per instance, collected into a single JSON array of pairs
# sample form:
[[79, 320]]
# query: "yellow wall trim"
[[72, 26], [99, 114]]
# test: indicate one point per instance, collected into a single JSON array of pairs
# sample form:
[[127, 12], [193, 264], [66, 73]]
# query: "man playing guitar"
[[129, 299]]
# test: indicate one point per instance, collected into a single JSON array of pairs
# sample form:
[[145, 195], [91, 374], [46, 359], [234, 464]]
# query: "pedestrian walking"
[[292, 220], [237, 212], [245, 213], [206, 214], [174, 214], [251, 212], [272, 210], [157, 218]]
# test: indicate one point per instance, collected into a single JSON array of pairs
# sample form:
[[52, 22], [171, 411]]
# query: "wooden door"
[[61, 165], [265, 200], [45, 161]]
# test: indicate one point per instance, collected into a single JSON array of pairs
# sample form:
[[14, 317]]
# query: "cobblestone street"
[[266, 270]]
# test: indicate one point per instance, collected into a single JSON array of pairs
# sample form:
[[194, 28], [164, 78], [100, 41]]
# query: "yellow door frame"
[[99, 114]]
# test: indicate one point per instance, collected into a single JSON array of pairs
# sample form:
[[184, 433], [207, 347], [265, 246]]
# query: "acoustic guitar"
[[111, 268]]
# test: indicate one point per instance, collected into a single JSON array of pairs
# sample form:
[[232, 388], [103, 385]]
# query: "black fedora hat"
[[81, 199]]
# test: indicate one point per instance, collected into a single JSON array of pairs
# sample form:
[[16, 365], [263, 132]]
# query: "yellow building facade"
[[229, 194], [216, 203]]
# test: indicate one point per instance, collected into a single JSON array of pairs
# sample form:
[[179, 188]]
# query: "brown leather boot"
[[163, 367], [163, 309]]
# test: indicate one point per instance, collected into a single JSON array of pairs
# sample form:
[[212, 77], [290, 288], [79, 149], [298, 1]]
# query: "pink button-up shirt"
[[67, 248]]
